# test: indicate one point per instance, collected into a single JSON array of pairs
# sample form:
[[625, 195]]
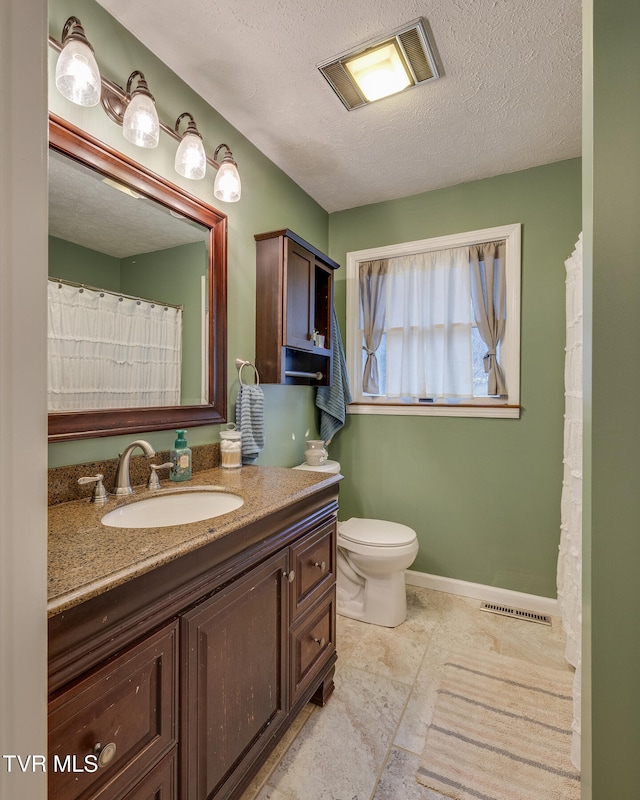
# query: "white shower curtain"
[[109, 351], [570, 553]]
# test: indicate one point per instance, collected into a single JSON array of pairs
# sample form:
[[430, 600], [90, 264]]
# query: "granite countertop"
[[87, 558]]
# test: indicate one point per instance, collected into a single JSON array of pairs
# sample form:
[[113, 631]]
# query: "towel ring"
[[240, 364]]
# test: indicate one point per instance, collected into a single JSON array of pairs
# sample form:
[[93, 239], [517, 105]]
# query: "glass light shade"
[[77, 74], [140, 125], [227, 184], [191, 160], [379, 72]]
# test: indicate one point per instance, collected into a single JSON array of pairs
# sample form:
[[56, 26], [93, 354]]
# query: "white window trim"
[[509, 348]]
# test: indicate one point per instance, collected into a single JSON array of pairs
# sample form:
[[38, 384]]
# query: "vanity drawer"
[[161, 783], [313, 561], [312, 644], [125, 711]]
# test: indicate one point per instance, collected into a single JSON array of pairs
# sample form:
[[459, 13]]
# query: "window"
[[423, 338]]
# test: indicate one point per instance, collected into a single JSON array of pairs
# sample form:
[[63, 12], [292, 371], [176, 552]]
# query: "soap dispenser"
[[180, 459]]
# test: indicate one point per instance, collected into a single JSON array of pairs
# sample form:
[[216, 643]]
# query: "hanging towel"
[[250, 420], [332, 400]]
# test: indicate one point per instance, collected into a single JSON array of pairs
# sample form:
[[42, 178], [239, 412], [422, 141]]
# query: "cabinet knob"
[[105, 753], [322, 565], [290, 576], [320, 642]]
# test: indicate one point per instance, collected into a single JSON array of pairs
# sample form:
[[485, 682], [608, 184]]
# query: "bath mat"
[[501, 730]]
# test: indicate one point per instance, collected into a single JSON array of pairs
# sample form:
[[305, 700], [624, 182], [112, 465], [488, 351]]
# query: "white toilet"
[[372, 557]]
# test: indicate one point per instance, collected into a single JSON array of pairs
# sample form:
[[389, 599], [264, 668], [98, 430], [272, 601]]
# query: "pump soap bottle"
[[180, 459]]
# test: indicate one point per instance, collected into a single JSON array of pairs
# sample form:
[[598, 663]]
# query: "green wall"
[[270, 201], [482, 494], [611, 631], [73, 262], [174, 276]]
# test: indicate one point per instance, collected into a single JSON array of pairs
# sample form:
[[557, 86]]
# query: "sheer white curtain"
[[107, 351], [570, 552], [429, 320]]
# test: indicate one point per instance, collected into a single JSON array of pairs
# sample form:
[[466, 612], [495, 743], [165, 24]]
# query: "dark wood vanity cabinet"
[[188, 678], [294, 301], [112, 725]]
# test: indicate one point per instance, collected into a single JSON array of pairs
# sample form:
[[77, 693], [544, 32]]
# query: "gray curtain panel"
[[488, 295], [373, 281]]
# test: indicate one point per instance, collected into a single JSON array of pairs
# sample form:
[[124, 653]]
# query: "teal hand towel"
[[250, 421], [332, 400]]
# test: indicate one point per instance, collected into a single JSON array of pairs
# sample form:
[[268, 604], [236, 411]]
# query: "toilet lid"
[[376, 531]]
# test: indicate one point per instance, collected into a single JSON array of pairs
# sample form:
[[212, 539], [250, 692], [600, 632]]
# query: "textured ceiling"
[[509, 96], [86, 211]]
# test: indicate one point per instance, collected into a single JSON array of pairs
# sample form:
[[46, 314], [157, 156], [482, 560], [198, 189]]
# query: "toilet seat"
[[376, 532]]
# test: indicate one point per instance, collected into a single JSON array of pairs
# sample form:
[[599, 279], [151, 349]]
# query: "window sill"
[[437, 410]]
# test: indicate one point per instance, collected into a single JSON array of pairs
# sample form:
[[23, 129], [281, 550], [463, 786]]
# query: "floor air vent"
[[519, 613]]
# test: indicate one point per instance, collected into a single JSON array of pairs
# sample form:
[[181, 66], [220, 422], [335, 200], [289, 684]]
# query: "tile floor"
[[365, 744]]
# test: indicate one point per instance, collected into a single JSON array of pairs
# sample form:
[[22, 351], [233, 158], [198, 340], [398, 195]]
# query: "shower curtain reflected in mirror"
[[111, 351]]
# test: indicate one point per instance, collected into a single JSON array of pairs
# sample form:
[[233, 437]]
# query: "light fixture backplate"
[[415, 47]]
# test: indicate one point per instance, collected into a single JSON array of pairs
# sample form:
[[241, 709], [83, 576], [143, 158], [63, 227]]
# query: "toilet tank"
[[332, 467]]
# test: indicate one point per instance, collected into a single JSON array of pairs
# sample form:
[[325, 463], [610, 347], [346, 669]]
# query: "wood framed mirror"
[[80, 232]]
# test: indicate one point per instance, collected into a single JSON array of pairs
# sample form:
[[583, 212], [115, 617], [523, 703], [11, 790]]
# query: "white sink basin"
[[163, 510]]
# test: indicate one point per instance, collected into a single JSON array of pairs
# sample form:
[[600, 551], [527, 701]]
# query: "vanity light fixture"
[[191, 160], [135, 110], [77, 73], [382, 66], [227, 184], [140, 124]]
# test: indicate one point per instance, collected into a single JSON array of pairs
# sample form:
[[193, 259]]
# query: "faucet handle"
[[154, 481], [99, 494]]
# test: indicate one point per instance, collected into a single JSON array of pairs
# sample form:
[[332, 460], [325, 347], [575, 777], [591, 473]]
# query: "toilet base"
[[382, 601]]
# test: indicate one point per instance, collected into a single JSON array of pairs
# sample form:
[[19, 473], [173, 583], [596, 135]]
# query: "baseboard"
[[478, 591]]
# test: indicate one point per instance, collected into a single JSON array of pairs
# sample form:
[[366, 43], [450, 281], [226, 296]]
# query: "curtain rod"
[[115, 294], [421, 250]]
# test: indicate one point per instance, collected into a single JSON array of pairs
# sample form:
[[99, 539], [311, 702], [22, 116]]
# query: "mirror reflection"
[[127, 296], [124, 238]]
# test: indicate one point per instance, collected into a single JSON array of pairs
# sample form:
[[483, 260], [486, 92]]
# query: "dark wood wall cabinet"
[[294, 302], [180, 682]]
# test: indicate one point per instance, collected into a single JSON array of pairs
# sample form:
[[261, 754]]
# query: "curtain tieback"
[[368, 351], [487, 359]]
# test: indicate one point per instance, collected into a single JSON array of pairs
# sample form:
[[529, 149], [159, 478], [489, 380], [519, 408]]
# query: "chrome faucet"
[[122, 482]]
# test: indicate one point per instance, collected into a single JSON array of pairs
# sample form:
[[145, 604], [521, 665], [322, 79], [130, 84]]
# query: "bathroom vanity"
[[179, 656]]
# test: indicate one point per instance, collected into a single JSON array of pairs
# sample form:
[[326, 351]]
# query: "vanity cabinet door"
[[234, 684], [123, 714]]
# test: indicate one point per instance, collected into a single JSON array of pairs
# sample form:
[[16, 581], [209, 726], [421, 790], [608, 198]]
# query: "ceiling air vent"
[[415, 60]]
